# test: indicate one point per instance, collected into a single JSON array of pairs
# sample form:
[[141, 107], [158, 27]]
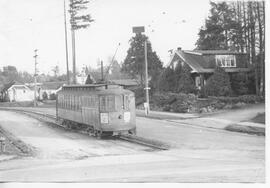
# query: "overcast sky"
[[26, 25]]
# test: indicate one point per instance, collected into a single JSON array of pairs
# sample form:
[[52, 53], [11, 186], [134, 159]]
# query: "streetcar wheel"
[[98, 134], [132, 131]]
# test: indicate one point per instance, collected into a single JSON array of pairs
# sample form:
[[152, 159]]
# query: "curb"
[[259, 131]]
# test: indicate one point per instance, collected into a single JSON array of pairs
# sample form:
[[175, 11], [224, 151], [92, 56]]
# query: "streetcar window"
[[102, 103], [75, 103], [69, 102], [78, 103], [110, 103], [107, 103], [126, 101]]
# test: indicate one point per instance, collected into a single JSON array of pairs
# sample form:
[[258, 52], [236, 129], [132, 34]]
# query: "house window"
[[198, 81], [225, 61]]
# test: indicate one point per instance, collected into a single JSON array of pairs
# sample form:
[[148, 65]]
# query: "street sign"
[[139, 29]]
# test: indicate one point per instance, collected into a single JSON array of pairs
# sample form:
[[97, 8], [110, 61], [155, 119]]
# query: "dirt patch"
[[14, 146], [246, 129]]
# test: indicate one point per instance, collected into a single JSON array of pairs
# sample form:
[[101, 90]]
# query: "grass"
[[246, 129], [260, 118]]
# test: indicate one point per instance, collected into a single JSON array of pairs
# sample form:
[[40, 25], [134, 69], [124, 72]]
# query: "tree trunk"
[[252, 45], [261, 49]]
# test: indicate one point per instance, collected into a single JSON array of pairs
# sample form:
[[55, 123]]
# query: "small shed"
[[15, 91]]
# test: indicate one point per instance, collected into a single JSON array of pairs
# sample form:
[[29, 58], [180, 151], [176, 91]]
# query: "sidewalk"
[[165, 115], [232, 120], [4, 157]]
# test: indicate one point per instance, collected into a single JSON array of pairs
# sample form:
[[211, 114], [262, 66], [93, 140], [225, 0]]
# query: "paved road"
[[197, 155]]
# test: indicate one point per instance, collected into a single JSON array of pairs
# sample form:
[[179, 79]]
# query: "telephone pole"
[[139, 30], [35, 78], [72, 18], [146, 79], [68, 79], [101, 69]]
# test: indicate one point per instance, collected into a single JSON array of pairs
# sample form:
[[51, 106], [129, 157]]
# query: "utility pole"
[[68, 79], [73, 55], [72, 15], [139, 30], [35, 78], [101, 63], [147, 106]]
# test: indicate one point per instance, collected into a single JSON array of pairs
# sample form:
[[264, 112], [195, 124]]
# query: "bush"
[[179, 102], [180, 106], [239, 84], [44, 95], [52, 96], [218, 84], [184, 81], [166, 81], [248, 99]]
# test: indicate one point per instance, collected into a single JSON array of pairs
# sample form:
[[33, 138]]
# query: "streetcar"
[[100, 109]]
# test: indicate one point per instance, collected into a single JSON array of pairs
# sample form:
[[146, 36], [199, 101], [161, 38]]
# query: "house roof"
[[212, 52], [125, 82], [198, 64], [52, 85], [8, 85]]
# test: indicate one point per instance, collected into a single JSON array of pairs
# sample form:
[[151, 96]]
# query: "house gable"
[[205, 61]]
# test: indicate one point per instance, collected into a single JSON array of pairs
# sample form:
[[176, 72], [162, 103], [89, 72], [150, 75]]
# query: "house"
[[50, 88], [15, 92], [203, 62], [81, 79], [46, 88]]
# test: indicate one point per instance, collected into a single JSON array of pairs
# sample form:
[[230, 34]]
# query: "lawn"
[[260, 118]]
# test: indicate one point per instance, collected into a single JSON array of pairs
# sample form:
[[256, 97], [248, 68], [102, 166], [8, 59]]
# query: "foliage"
[[219, 28], [10, 73], [134, 63], [218, 84], [45, 95], [176, 102], [77, 19], [89, 80], [55, 70], [52, 96], [239, 83], [182, 103], [184, 81], [166, 81], [248, 99], [238, 26]]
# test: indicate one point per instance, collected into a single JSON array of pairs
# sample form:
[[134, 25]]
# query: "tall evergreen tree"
[[134, 63], [78, 20], [167, 80], [217, 32], [238, 26]]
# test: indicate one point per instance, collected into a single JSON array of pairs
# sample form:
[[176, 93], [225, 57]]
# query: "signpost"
[[138, 30]]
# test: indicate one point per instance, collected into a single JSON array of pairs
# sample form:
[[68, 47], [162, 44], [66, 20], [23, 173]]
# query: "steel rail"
[[128, 137]]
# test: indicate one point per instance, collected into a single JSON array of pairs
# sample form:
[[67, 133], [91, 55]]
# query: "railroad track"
[[155, 144]]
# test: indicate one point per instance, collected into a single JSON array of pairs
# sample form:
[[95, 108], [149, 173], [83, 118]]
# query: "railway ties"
[[144, 141], [49, 118]]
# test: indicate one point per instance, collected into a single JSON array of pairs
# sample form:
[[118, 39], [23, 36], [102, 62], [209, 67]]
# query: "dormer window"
[[225, 61]]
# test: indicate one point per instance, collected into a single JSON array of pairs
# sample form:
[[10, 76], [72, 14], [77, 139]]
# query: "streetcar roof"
[[94, 89], [90, 86]]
